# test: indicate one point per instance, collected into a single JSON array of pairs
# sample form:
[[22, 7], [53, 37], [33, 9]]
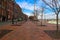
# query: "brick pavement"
[[28, 31]]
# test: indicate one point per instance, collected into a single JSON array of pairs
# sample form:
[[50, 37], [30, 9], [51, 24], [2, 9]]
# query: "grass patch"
[[53, 33], [4, 32]]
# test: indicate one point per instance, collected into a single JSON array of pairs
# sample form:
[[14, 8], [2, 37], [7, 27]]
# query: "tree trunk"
[[57, 22], [6, 16], [13, 19]]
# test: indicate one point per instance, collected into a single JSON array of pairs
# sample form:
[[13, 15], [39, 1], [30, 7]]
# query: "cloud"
[[50, 15], [26, 5], [30, 6], [28, 13]]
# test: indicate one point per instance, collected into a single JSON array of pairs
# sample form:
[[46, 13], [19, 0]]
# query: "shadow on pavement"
[[15, 25]]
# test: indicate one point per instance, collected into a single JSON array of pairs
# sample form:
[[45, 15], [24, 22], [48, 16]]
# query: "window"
[[0, 0], [13, 0], [5, 0], [0, 5]]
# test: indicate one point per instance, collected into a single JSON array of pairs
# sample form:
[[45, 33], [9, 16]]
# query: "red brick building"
[[9, 9]]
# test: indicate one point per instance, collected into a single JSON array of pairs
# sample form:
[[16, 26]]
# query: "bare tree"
[[55, 6], [37, 13], [41, 14]]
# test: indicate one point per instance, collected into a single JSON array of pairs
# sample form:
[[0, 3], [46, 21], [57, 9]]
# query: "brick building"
[[25, 17], [9, 9]]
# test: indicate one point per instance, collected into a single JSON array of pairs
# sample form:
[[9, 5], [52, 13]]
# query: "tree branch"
[[49, 5]]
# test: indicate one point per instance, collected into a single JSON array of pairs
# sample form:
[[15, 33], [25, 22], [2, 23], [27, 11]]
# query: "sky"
[[28, 8]]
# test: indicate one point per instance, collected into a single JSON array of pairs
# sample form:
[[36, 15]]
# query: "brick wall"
[[8, 9]]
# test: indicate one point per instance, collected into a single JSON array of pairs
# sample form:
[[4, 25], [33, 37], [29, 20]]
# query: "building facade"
[[9, 10]]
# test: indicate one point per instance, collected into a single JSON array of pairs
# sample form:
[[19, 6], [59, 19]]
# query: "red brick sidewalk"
[[28, 31]]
